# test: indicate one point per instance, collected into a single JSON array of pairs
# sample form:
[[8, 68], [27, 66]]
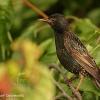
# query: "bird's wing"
[[79, 52]]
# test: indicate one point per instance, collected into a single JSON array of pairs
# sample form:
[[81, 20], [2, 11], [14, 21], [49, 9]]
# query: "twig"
[[75, 93], [58, 96], [3, 50], [10, 37], [95, 49], [34, 8], [64, 93]]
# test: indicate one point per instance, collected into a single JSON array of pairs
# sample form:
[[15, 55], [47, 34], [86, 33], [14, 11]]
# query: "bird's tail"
[[97, 79], [97, 83]]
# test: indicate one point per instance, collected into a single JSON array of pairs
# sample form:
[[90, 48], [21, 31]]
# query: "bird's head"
[[57, 22]]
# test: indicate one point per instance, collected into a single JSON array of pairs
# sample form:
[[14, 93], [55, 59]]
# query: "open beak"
[[46, 20]]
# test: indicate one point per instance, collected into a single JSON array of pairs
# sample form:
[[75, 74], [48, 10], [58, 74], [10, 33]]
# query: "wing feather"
[[79, 52]]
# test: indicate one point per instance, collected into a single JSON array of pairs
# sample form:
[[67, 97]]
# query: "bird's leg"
[[73, 78], [80, 81]]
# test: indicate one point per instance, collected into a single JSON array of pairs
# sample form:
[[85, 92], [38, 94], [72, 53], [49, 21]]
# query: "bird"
[[71, 52]]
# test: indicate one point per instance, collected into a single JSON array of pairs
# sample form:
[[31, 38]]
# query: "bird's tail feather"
[[97, 83], [97, 80]]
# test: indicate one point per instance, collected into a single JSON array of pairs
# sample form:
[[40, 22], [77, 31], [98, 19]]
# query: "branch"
[[34, 8], [63, 92], [75, 93]]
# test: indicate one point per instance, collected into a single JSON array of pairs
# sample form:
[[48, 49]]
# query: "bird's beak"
[[46, 20]]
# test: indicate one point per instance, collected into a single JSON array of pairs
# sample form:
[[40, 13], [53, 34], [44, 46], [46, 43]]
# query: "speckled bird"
[[71, 52]]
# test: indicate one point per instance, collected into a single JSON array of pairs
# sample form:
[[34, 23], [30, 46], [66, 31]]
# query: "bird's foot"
[[73, 78], [80, 82]]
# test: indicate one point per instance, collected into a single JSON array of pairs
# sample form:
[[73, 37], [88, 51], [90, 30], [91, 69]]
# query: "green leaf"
[[44, 4], [4, 2], [89, 96], [94, 15], [88, 86], [49, 51]]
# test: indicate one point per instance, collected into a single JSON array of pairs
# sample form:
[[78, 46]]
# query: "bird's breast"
[[64, 57]]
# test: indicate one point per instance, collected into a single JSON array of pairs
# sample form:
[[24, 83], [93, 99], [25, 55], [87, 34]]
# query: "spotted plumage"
[[71, 52]]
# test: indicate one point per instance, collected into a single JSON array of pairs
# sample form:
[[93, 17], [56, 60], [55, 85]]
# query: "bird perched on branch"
[[71, 52]]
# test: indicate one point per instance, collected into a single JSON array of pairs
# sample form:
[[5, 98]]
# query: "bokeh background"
[[27, 49]]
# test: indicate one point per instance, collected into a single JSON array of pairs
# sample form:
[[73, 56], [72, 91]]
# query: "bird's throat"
[[59, 40]]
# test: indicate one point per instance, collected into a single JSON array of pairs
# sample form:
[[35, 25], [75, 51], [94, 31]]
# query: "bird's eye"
[[53, 19]]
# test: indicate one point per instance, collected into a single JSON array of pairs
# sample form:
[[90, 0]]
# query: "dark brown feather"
[[81, 55], [71, 52]]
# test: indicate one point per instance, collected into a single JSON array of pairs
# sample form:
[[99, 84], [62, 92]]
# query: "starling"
[[71, 52]]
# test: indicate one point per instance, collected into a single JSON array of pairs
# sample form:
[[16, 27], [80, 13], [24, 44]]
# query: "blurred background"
[[27, 49], [81, 8]]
